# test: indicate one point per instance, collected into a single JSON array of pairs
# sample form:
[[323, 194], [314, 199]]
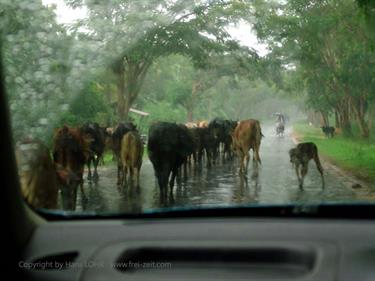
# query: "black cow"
[[328, 131], [197, 144], [96, 134], [117, 135], [204, 142], [168, 146], [217, 129], [229, 127], [209, 144]]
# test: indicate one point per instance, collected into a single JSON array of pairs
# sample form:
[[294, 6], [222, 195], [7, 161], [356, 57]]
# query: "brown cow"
[[71, 149], [118, 134], [37, 174], [247, 135], [131, 157]]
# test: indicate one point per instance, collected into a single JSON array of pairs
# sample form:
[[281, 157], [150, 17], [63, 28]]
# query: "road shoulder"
[[363, 190]]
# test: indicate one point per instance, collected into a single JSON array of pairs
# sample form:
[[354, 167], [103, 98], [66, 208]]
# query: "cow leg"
[[213, 154], [89, 168], [304, 171], [296, 167], [320, 169], [125, 175], [256, 152], [162, 187], [185, 170], [96, 163], [82, 190], [242, 157], [247, 158], [200, 156], [83, 194], [131, 169], [172, 180], [208, 158], [68, 196], [217, 154], [162, 175], [74, 197], [138, 169], [119, 171], [228, 151]]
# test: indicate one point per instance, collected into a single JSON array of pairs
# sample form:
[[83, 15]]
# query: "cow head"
[[217, 128], [107, 134]]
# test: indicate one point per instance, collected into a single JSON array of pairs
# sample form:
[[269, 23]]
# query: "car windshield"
[[132, 106]]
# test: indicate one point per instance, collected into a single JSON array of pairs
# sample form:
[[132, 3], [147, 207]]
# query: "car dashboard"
[[203, 249]]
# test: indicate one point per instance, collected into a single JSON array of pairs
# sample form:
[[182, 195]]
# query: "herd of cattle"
[[169, 146]]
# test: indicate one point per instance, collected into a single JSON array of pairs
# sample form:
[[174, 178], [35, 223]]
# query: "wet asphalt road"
[[221, 185]]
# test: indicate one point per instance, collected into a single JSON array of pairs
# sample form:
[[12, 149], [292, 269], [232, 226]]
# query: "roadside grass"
[[352, 154], [109, 160]]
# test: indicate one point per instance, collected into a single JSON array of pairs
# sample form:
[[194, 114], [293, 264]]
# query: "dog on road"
[[300, 157]]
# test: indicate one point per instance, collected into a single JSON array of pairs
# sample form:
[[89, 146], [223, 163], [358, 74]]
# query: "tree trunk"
[[359, 109], [191, 105], [190, 115], [371, 115], [365, 130], [129, 82], [337, 120], [324, 119], [345, 121], [121, 95], [127, 106], [316, 121]]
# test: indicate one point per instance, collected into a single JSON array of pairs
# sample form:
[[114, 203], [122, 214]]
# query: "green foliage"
[[368, 8], [169, 78], [36, 69], [136, 33], [89, 105], [328, 48], [44, 68], [161, 111]]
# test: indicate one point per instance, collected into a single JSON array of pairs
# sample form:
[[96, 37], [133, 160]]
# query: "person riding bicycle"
[[280, 124], [280, 119]]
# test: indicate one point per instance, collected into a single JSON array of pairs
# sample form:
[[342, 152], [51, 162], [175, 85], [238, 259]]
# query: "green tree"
[[135, 33], [332, 55], [35, 49]]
